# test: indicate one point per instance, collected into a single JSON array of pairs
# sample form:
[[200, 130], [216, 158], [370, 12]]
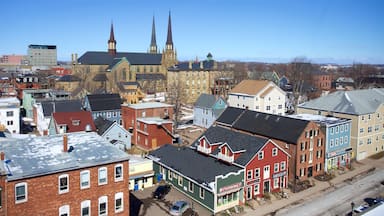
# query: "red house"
[[131, 112], [153, 132], [69, 122], [265, 164]]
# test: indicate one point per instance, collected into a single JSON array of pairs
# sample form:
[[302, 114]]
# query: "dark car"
[[373, 201], [161, 191]]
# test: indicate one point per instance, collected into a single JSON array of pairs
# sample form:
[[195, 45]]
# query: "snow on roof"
[[147, 105], [9, 101], [137, 159], [319, 118], [37, 156], [154, 120]]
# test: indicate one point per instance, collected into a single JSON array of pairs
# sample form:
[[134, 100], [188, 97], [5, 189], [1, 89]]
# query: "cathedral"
[[127, 73]]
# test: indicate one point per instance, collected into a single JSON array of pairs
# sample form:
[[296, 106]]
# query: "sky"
[[322, 31]]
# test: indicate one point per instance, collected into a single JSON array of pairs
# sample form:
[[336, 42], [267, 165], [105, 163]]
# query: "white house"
[[113, 133], [258, 95], [10, 114]]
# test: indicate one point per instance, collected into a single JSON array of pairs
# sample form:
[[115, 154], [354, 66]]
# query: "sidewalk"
[[359, 169]]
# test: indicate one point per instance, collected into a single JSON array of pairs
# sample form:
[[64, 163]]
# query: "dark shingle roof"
[[102, 125], [229, 116], [237, 141], [149, 76], [60, 106], [104, 58], [176, 159], [100, 102], [268, 125]]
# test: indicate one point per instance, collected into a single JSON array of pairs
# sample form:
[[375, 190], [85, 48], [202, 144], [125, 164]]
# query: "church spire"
[[153, 47], [169, 43], [112, 42]]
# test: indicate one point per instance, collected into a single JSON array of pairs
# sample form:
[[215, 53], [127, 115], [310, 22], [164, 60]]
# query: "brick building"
[[131, 113], [71, 174], [153, 132]]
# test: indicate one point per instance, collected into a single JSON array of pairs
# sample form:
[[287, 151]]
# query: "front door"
[[310, 171], [154, 143], [266, 187], [266, 172], [249, 193]]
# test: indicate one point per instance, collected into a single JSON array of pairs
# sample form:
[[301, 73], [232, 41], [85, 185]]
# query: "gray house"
[[113, 133], [207, 109]]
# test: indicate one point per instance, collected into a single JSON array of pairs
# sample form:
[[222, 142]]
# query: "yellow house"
[[140, 173], [366, 110]]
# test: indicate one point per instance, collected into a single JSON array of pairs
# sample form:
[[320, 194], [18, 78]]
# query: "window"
[[249, 174], [319, 141], [257, 107], [361, 130], [64, 210], [274, 152], [84, 179], [341, 141], [268, 107], [118, 172], [331, 143], [21, 192], [257, 172], [103, 205], [282, 166], [346, 140], [9, 113], [346, 127], [169, 174], [302, 158], [341, 128], [1, 195], [302, 146], [276, 167], [9, 123], [337, 129], [86, 208], [201, 193], [63, 183], [119, 207], [256, 190], [279, 106], [190, 186], [369, 129], [180, 180], [369, 141], [103, 176], [261, 155], [276, 183], [332, 129], [336, 142]]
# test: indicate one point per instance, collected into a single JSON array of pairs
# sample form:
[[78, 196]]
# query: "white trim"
[[119, 195], [25, 192], [85, 204], [121, 177], [88, 175], [61, 191], [103, 199], [64, 210], [106, 176]]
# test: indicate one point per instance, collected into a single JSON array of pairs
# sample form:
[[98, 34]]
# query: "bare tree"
[[175, 96], [359, 72]]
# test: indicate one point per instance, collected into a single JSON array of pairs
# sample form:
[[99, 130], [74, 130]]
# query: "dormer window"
[[75, 122]]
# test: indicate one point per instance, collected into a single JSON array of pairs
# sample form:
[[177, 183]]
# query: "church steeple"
[[153, 46], [112, 42], [169, 43]]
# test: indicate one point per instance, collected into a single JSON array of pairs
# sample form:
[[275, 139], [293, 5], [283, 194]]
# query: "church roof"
[[104, 58]]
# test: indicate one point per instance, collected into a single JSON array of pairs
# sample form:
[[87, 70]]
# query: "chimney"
[[2, 156], [65, 143]]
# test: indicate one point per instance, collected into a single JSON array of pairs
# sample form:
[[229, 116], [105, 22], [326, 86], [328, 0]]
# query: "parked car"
[[178, 208], [361, 208], [373, 201], [161, 191]]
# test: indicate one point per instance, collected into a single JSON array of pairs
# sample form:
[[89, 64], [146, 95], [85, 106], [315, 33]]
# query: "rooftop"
[[38, 156], [154, 120], [147, 105], [320, 119]]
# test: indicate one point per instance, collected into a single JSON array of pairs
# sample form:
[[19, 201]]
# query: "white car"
[[178, 208]]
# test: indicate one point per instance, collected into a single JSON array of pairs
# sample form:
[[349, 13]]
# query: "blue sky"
[[341, 31]]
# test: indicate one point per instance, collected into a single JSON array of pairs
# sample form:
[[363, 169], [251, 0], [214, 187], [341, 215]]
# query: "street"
[[338, 200]]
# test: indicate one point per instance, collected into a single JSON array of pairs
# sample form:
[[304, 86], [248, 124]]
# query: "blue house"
[[338, 136], [113, 133], [107, 106], [207, 109]]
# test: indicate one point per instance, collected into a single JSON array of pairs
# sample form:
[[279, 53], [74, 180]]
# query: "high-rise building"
[[42, 55]]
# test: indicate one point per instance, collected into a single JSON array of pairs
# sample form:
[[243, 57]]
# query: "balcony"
[[225, 157], [204, 150]]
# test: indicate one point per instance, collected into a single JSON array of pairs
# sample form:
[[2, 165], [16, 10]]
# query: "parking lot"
[[150, 206]]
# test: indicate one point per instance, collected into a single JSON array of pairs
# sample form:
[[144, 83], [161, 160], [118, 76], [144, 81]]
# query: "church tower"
[[112, 42], [153, 46], [169, 54]]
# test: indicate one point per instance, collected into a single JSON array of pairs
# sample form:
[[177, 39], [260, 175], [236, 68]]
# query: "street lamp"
[[352, 205]]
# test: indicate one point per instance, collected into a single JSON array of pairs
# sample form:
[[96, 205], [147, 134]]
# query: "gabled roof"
[[229, 116], [273, 126], [38, 156], [104, 58], [207, 100], [357, 102], [60, 106], [250, 87], [101, 102], [102, 125], [201, 168], [194, 66], [75, 121], [237, 141]]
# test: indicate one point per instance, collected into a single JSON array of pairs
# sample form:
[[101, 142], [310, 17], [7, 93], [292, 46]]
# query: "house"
[[67, 82], [131, 112], [42, 112], [10, 114], [337, 139], [215, 185], [65, 174], [131, 92], [207, 109], [113, 133], [321, 80], [364, 107], [32, 96], [258, 95], [107, 106], [344, 83], [265, 163], [153, 132], [302, 139], [271, 76], [69, 122], [25, 82], [141, 174]]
